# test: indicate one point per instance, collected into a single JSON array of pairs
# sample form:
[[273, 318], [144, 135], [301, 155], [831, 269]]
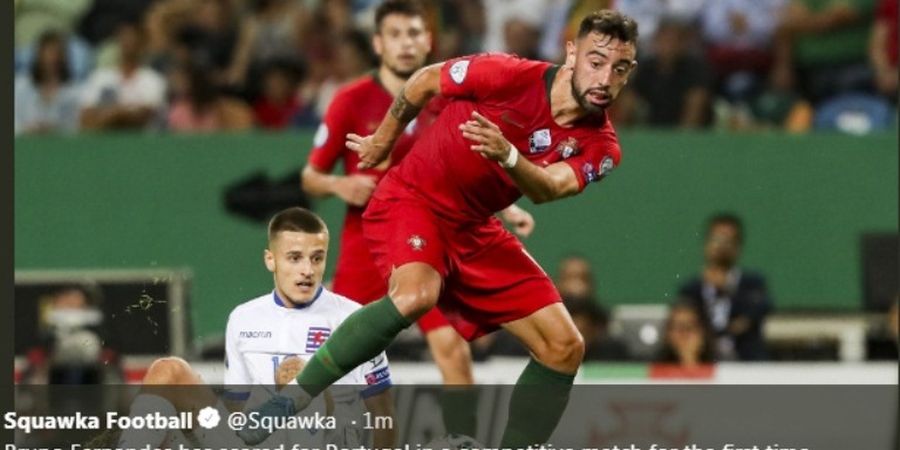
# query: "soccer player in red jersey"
[[512, 127], [402, 42]]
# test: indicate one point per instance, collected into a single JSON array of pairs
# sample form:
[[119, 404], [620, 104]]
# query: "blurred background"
[[749, 236]]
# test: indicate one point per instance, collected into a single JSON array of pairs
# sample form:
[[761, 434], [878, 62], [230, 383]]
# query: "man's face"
[[297, 261], [722, 245], [130, 45], [601, 66], [402, 43]]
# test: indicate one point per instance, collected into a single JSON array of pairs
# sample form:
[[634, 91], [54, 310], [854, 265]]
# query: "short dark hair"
[[726, 218], [296, 219], [51, 37], [611, 23], [410, 8]]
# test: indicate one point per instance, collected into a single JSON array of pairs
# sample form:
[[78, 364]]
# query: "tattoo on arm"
[[402, 109]]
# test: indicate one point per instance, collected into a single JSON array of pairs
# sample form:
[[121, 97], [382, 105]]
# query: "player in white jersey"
[[295, 319], [262, 338]]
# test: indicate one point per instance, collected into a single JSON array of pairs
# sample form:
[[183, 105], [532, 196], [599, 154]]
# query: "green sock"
[[458, 406], [361, 337], [537, 404]]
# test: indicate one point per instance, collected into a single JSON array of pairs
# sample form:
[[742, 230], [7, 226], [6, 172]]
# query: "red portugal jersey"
[[359, 108], [513, 93]]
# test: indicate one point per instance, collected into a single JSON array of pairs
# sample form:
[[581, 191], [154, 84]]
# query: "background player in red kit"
[[402, 43], [512, 127]]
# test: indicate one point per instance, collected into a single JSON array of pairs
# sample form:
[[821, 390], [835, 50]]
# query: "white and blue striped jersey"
[[265, 330]]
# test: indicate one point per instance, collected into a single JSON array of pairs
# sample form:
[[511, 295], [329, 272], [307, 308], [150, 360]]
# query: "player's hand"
[[277, 406], [488, 139], [521, 220], [288, 370], [370, 152], [355, 189]]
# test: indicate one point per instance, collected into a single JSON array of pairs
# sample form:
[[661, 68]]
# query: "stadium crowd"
[[222, 65]]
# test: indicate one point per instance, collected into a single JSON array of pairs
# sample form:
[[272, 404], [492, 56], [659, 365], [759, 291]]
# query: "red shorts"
[[357, 278], [489, 278]]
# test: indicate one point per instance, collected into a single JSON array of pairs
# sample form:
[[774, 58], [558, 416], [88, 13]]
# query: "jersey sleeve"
[[237, 377], [478, 76], [374, 375], [329, 142], [598, 159]]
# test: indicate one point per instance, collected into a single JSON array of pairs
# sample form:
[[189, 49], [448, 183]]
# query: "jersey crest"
[[315, 337], [568, 148]]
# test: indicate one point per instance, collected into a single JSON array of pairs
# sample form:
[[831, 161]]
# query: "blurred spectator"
[[575, 280], [883, 340], [821, 47], [38, 17], [671, 87], [74, 348], [354, 57], [199, 31], [45, 99], [508, 21], [128, 96], [592, 322], [561, 24], [101, 22], [688, 337], [649, 13], [199, 106], [735, 301], [521, 37], [883, 47], [459, 30], [739, 36], [270, 32], [279, 105]]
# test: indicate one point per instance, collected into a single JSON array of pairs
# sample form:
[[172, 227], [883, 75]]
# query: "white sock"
[[142, 405]]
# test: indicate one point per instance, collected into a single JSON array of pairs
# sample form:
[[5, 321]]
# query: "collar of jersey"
[[281, 303]]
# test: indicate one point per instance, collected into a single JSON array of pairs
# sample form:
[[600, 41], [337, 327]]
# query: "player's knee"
[[168, 370], [448, 346], [562, 352], [414, 303], [414, 289]]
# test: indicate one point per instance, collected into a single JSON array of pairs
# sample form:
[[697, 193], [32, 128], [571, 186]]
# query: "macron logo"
[[256, 334]]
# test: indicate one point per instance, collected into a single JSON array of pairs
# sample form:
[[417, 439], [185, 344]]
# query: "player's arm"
[[382, 405], [354, 189], [539, 184], [521, 220], [415, 94]]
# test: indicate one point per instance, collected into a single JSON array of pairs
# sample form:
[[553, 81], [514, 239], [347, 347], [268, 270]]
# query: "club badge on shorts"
[[416, 242]]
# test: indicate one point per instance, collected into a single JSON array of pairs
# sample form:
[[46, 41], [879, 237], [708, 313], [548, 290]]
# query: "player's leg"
[[407, 246], [414, 289], [542, 390], [169, 386], [519, 296], [453, 358]]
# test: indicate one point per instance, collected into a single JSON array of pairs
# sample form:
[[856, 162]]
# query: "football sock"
[[362, 336], [458, 406], [538, 401]]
